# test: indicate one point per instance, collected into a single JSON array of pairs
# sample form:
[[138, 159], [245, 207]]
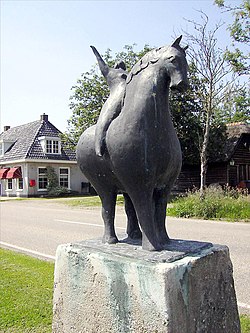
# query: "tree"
[[236, 105], [52, 178], [188, 117], [214, 73], [240, 34], [53, 187]]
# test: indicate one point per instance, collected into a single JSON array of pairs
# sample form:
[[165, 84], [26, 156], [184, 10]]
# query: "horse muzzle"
[[180, 86]]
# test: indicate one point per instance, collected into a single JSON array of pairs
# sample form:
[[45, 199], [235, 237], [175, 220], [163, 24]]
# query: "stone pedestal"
[[187, 288]]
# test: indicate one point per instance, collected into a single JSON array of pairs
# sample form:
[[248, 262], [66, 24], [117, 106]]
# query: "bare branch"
[[216, 74]]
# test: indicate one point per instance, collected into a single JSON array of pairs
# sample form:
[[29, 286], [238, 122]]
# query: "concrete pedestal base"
[[187, 288]]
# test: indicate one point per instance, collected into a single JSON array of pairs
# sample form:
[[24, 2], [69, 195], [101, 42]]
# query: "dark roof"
[[235, 133], [26, 144]]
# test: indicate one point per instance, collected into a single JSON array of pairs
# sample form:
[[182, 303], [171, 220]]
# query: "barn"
[[232, 168]]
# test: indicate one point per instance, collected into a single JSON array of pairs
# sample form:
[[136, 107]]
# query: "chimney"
[[6, 128], [44, 117]]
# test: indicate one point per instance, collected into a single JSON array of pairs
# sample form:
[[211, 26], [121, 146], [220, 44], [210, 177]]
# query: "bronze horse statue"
[[142, 157]]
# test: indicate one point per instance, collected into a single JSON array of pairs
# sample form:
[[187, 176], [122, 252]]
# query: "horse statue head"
[[172, 58]]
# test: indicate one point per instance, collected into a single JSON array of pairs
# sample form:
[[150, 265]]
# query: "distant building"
[[232, 168], [25, 153]]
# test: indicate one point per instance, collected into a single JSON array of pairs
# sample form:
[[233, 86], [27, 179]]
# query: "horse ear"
[[121, 64], [177, 41]]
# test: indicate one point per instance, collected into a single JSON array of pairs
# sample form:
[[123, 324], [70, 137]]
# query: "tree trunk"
[[204, 149], [203, 171]]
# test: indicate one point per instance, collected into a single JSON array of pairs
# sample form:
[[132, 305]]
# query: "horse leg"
[[161, 198], [133, 229], [108, 214], [144, 207]]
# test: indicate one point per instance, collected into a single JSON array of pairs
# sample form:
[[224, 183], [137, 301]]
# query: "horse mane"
[[150, 57]]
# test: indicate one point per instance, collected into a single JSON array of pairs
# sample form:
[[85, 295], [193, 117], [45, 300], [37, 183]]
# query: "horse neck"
[[154, 84], [160, 94]]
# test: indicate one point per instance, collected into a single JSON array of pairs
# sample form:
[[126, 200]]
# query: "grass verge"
[[217, 204], [26, 289], [88, 201], [245, 323]]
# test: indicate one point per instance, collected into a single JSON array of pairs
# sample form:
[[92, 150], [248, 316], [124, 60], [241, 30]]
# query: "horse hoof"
[[110, 240]]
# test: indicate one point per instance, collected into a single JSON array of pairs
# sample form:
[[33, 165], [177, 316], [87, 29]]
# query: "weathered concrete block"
[[121, 288]]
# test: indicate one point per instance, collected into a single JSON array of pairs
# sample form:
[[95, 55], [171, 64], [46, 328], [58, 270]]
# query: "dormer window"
[[4, 146], [50, 145]]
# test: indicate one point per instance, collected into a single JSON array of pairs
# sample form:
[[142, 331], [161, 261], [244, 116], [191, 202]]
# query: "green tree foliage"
[[89, 94], [236, 105], [52, 178], [189, 120], [239, 56], [53, 187]]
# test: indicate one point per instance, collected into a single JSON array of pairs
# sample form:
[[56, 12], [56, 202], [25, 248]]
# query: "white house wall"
[[30, 172], [75, 176]]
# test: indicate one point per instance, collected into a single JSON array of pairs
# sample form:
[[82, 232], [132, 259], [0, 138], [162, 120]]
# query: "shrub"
[[53, 187], [58, 191], [218, 203]]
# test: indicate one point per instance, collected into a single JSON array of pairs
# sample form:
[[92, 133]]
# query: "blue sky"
[[45, 46]]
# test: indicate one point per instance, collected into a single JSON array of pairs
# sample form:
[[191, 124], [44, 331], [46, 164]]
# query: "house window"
[[5, 146], [42, 179], [49, 146], [20, 183], [64, 177], [55, 147], [9, 184], [52, 147]]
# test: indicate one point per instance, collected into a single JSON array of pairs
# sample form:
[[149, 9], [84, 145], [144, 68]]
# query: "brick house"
[[25, 153]]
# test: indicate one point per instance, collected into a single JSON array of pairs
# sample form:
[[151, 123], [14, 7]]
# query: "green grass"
[[88, 201], [2, 199], [245, 323], [26, 288], [82, 201], [217, 204]]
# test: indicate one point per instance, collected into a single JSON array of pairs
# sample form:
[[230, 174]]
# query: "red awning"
[[3, 173], [14, 173]]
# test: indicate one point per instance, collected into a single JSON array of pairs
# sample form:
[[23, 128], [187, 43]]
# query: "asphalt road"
[[39, 226]]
